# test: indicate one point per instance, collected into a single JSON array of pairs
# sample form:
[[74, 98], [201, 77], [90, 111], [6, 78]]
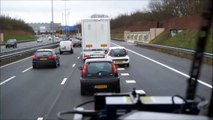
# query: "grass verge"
[[186, 39], [19, 37]]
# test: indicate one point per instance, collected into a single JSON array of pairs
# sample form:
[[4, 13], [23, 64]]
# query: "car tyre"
[[118, 90], [35, 66], [127, 65], [55, 65], [60, 52], [82, 92], [71, 51]]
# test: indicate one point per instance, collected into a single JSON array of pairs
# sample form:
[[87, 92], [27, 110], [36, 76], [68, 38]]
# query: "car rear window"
[[99, 69], [43, 53], [118, 52], [11, 41]]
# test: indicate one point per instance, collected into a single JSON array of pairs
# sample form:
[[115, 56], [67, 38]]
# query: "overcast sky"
[[40, 10]]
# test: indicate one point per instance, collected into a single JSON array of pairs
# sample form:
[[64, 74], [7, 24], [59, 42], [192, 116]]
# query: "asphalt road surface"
[[28, 44], [34, 94]]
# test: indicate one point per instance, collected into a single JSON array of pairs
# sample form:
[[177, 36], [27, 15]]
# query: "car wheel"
[[71, 51], [127, 65], [118, 90], [59, 63], [60, 52], [82, 92], [35, 66], [55, 65]]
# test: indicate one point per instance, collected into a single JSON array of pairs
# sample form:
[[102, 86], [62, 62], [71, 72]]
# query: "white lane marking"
[[78, 57], [27, 69], [130, 81], [7, 80], [140, 92], [15, 62], [124, 74], [168, 67], [40, 118], [73, 65], [64, 80], [78, 116], [121, 69]]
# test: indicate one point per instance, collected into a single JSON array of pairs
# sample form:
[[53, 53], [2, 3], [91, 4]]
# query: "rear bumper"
[[10, 45], [43, 63], [65, 50], [89, 85], [92, 55], [121, 61]]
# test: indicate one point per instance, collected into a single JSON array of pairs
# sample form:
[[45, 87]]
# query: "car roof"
[[11, 40], [40, 50], [98, 60], [117, 47]]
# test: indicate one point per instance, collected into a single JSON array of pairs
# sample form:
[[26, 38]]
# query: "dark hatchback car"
[[99, 75], [45, 57], [76, 43], [11, 43]]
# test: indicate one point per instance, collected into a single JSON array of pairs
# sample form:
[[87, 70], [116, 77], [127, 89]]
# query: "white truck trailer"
[[95, 37]]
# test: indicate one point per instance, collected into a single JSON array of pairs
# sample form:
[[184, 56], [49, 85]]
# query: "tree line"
[[160, 10], [8, 23]]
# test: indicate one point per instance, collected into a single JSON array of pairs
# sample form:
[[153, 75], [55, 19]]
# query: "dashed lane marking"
[[140, 91], [64, 80], [27, 69], [124, 74], [7, 80], [130, 81], [40, 118], [78, 116], [73, 65]]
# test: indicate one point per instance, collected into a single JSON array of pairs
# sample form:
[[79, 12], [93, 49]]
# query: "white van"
[[66, 46], [95, 37]]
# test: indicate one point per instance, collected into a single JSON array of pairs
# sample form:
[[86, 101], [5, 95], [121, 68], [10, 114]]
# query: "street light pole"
[[0, 7], [52, 22]]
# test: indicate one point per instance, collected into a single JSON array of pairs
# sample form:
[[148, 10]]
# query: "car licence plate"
[[43, 58], [100, 86], [118, 62]]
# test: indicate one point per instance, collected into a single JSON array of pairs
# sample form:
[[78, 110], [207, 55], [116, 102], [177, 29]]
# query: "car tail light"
[[110, 53], [115, 69], [126, 53], [51, 57], [84, 70], [35, 58], [86, 56]]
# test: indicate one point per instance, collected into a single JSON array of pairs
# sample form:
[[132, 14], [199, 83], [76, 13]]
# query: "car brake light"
[[126, 52], [35, 58], [86, 56], [51, 57], [84, 70], [115, 69], [110, 53]]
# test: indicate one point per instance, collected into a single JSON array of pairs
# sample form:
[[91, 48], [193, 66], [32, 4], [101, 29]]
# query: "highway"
[[35, 94], [28, 44]]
